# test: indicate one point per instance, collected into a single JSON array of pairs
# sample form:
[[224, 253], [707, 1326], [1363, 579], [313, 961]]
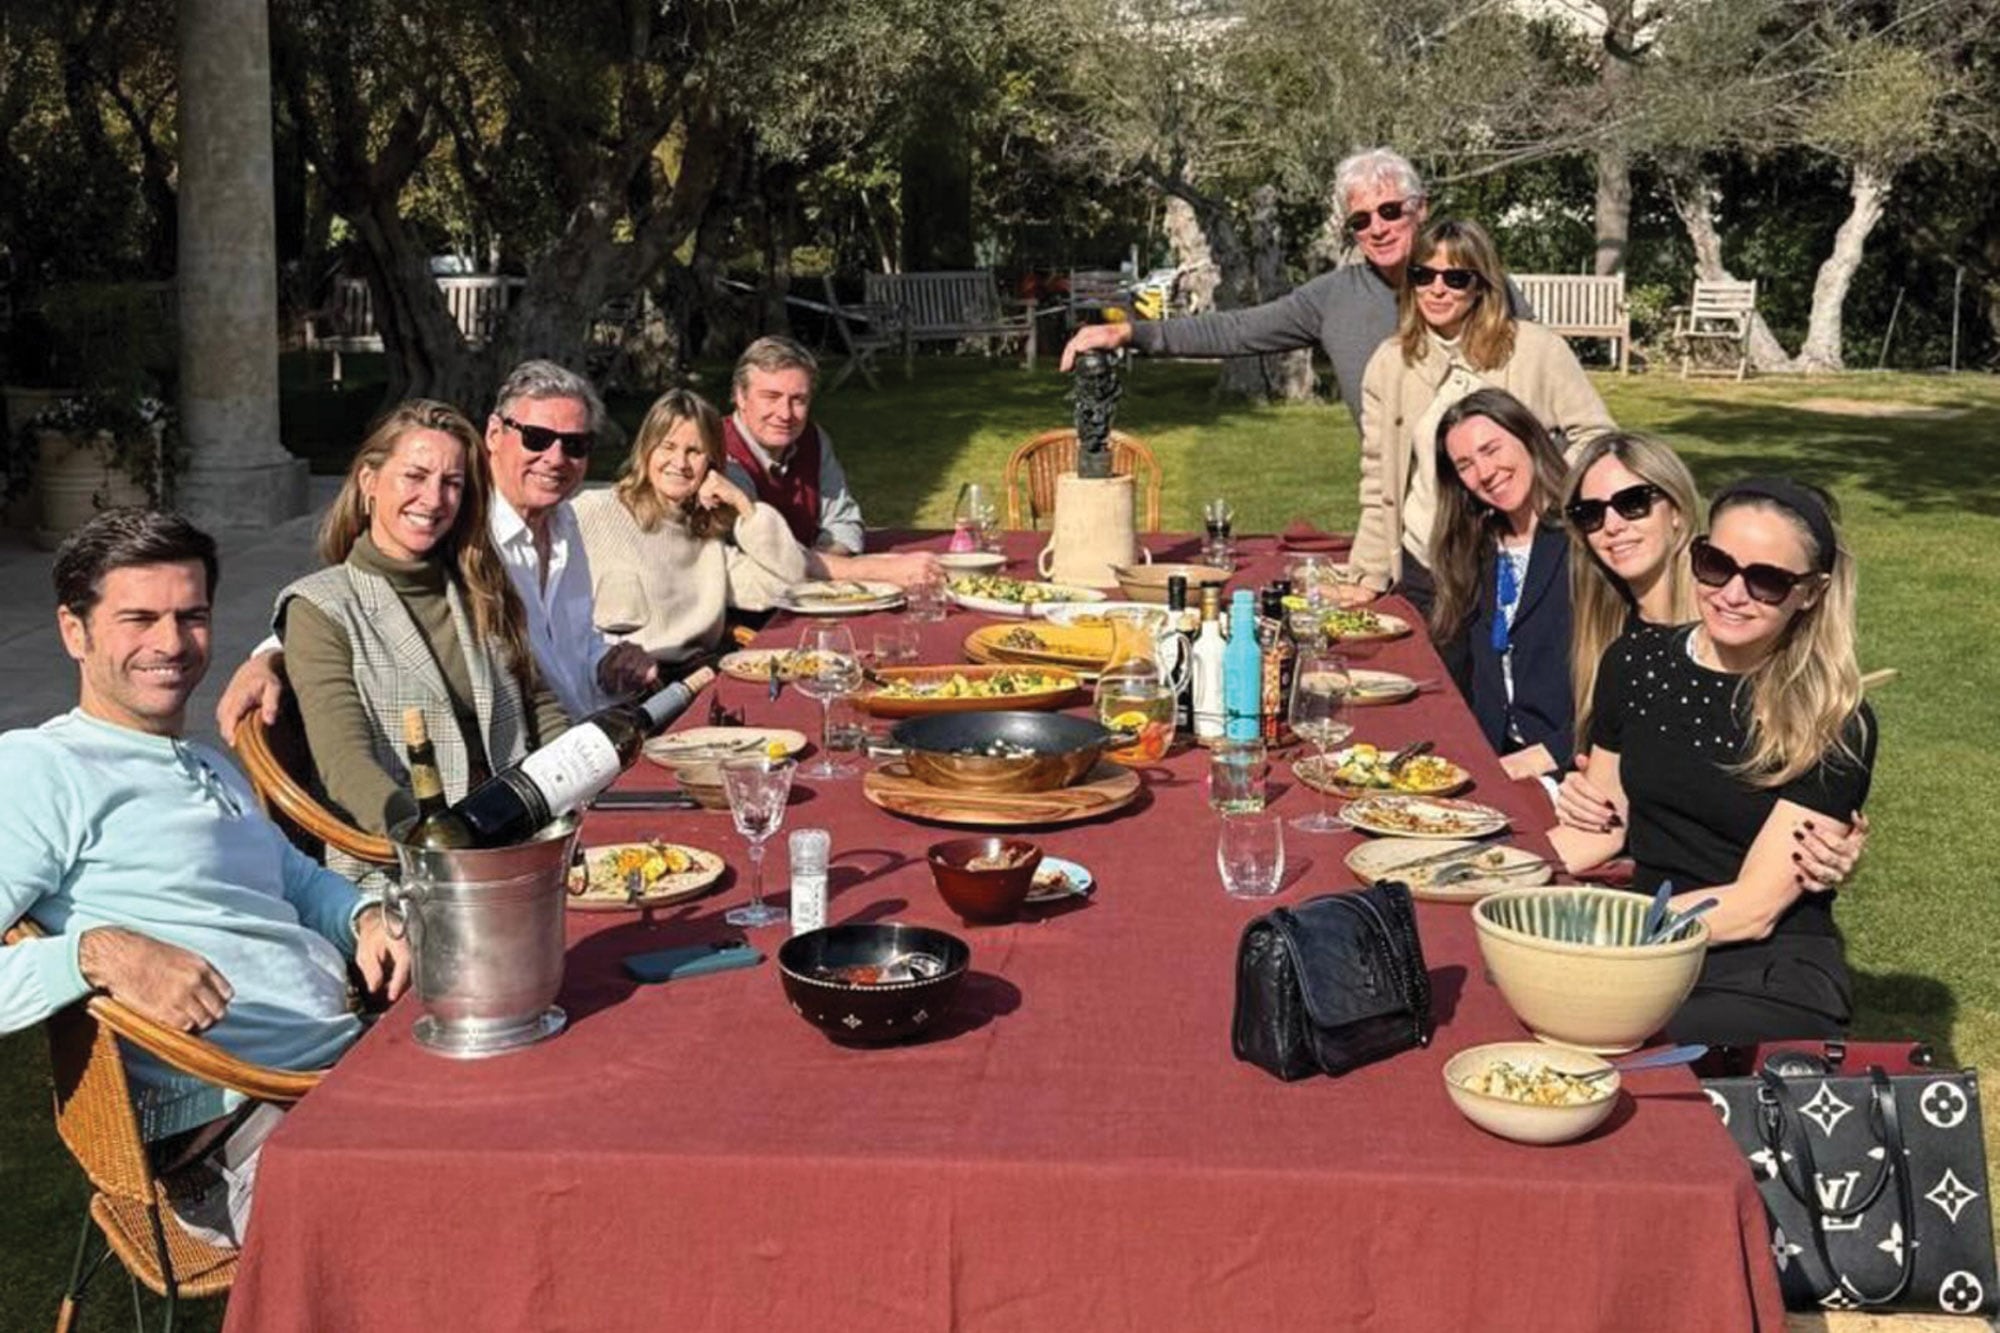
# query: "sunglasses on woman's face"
[[1390, 211], [1769, 584], [1458, 279], [1633, 503], [535, 439]]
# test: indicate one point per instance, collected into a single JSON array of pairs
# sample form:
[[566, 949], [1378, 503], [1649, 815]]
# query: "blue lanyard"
[[1507, 592]]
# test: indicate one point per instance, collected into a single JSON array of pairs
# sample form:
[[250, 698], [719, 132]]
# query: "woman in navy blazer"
[[1501, 563]]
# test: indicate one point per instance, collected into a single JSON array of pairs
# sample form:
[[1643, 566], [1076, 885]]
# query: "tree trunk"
[[775, 196], [1614, 208], [1198, 278], [1694, 196], [1614, 163], [1869, 191], [1260, 276]]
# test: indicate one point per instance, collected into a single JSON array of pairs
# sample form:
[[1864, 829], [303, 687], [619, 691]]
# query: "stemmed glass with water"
[[829, 668], [758, 790], [1320, 687]]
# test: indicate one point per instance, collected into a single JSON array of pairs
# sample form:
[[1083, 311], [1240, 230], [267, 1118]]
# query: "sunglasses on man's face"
[[535, 439], [1769, 584], [1390, 211], [1458, 279], [1633, 503]]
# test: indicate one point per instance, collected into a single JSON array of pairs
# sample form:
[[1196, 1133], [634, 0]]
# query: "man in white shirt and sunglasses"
[[545, 420]]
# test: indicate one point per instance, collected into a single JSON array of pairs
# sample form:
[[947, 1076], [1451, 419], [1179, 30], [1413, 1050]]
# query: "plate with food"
[[998, 595], [1399, 816], [1094, 615], [839, 597], [914, 691], [971, 562], [1058, 880], [1366, 688], [1357, 624], [1454, 871], [754, 664], [1085, 649], [714, 744], [1360, 770], [621, 876]]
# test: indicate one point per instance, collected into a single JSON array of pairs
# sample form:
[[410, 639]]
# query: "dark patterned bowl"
[[878, 1012]]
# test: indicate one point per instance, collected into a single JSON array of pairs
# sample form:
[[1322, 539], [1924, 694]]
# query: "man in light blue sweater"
[[148, 860]]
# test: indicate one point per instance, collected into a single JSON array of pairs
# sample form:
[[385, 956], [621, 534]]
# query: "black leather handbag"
[[1875, 1184], [1331, 984]]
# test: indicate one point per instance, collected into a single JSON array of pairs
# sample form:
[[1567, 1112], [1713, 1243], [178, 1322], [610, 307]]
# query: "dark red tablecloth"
[[1079, 1150]]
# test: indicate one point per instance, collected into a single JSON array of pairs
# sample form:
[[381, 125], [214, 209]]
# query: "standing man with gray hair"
[[539, 436], [1348, 312]]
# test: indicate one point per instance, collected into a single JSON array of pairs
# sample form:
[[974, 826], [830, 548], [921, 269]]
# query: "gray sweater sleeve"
[[1292, 321]]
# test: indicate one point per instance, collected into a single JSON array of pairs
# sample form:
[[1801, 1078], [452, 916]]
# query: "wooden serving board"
[[1105, 788]]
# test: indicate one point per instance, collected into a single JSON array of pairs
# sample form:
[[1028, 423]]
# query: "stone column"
[[238, 474]]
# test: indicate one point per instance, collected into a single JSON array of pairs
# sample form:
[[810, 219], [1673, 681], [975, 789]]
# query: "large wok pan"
[[952, 749]]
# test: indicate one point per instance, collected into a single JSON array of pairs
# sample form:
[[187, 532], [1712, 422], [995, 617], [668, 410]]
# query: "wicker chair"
[[96, 1121], [275, 757], [1053, 453]]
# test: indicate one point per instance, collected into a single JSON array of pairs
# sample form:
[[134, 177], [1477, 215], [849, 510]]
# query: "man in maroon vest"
[[779, 454]]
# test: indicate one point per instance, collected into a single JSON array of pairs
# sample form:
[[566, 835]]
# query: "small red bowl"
[[985, 896]]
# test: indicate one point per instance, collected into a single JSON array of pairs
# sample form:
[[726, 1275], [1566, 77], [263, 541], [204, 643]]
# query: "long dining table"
[[1074, 1148]]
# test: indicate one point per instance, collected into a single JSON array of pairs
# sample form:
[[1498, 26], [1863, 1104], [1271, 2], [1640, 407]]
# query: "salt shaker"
[[809, 852]]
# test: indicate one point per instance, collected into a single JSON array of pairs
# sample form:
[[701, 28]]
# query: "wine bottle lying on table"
[[562, 776]]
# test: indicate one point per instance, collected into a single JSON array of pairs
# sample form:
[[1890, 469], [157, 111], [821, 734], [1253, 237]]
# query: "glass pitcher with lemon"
[[1135, 691]]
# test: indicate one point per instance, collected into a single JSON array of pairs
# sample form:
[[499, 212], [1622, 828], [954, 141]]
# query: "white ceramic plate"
[[840, 597], [1057, 593], [1378, 687], [1429, 817], [1513, 867], [1070, 614], [972, 562], [1077, 882]]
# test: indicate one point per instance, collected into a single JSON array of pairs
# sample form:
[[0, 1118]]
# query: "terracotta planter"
[[74, 479]]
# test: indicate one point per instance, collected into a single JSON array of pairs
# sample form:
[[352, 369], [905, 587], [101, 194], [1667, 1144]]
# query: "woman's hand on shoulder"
[[1825, 856], [1580, 805], [719, 492]]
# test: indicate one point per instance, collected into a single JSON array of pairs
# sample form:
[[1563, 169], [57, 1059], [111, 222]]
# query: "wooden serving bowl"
[[988, 896], [1148, 583]]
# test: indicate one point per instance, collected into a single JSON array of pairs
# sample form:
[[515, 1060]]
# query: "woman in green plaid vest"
[[414, 610]]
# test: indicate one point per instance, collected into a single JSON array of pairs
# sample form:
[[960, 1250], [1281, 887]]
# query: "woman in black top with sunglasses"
[[1455, 335], [1717, 740], [1632, 509]]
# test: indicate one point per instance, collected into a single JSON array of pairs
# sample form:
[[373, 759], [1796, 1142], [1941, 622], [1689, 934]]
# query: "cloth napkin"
[[1304, 535]]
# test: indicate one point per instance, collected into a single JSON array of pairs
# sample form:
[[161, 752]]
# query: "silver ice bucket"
[[486, 940]]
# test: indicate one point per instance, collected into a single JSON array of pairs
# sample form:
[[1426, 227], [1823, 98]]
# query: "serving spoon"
[[1673, 1055]]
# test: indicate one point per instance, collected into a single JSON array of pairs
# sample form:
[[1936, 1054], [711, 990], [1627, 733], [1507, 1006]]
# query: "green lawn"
[[1922, 509]]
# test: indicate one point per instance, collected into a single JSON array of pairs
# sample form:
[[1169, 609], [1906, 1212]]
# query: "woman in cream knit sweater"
[[1455, 335], [674, 544]]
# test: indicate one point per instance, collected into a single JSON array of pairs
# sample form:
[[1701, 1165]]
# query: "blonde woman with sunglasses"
[[1455, 335], [1717, 741], [1630, 502]]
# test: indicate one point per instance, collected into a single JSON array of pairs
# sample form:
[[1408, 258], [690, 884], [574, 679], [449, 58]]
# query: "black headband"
[[1807, 502]]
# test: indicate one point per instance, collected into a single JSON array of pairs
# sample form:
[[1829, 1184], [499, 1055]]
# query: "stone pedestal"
[[238, 473]]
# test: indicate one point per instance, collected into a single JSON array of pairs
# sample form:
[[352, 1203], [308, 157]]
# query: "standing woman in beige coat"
[[1454, 335]]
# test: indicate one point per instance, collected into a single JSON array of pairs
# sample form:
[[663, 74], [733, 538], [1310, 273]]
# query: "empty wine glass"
[[974, 512], [758, 789], [828, 668], [620, 606], [1319, 713], [1250, 854]]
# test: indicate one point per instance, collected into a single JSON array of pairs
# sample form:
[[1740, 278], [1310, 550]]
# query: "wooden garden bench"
[[951, 307], [1582, 305]]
